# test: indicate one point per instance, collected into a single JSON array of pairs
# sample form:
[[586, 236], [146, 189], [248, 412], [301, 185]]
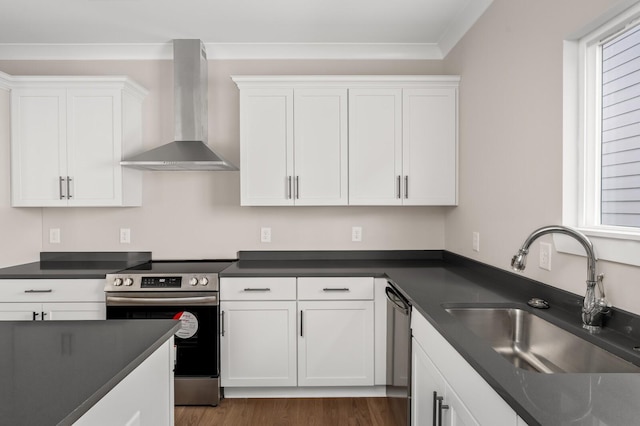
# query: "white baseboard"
[[307, 392]]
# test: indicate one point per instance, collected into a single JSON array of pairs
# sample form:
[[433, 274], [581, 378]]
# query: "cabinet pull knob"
[[61, 187], [48, 290], [399, 187], [69, 195], [222, 323], [257, 289], [406, 187], [335, 289]]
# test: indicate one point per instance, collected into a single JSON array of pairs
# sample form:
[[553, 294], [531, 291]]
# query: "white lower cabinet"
[[52, 299], [258, 343], [433, 397], [335, 346], [51, 311], [290, 332], [438, 367]]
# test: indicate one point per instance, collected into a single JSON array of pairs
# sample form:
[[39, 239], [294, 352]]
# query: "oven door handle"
[[161, 301]]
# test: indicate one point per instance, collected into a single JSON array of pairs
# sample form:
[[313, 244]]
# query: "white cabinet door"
[[320, 147], [74, 311], [428, 384], [258, 343], [426, 380], [375, 146], [38, 147], [94, 141], [335, 344], [266, 147], [429, 146]]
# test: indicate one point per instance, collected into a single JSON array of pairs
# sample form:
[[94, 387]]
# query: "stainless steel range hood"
[[189, 151]]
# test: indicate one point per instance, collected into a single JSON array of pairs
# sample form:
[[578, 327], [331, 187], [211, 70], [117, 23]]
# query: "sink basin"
[[532, 343]]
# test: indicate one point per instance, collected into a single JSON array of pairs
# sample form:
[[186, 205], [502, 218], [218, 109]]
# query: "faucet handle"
[[599, 281]]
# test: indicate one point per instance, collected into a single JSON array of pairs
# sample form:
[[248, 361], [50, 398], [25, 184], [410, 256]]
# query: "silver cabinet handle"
[[48, 290], [61, 183], [406, 187], [297, 187], [69, 195], [335, 289], [399, 187], [288, 187], [257, 289], [222, 323]]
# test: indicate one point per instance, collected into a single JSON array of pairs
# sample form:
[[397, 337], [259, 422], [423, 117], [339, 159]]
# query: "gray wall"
[[511, 140]]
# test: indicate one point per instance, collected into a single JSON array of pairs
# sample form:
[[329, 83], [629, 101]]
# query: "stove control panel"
[[161, 282]]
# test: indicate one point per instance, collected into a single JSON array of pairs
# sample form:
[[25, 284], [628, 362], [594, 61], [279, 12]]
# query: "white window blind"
[[620, 160]]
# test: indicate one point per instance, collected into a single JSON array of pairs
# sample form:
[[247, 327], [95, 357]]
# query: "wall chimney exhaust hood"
[[189, 151]]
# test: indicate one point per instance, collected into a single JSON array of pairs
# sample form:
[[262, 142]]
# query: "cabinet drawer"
[[52, 290], [335, 288], [275, 288]]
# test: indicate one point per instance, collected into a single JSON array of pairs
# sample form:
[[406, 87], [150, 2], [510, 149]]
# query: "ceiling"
[[391, 29]]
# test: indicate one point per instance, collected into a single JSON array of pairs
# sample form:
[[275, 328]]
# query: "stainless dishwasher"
[[399, 355]]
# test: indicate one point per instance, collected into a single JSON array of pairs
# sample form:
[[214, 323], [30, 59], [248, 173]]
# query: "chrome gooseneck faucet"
[[593, 308]]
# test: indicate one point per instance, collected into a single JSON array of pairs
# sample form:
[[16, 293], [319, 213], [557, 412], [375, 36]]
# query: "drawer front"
[[335, 288], [52, 290], [249, 288]]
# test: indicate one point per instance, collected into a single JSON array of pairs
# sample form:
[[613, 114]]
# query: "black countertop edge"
[[92, 260], [107, 387], [333, 255]]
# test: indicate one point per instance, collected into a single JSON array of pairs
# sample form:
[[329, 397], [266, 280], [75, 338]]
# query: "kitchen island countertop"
[[52, 372]]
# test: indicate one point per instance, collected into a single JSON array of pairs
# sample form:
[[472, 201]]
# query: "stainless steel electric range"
[[183, 290]]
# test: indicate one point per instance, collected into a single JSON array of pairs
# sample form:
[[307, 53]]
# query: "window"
[[620, 129], [601, 157]]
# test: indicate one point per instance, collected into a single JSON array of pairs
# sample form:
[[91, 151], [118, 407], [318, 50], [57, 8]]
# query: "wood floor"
[[291, 412]]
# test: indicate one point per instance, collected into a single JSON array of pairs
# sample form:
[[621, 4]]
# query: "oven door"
[[197, 340]]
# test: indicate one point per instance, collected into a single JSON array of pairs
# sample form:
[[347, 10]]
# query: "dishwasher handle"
[[397, 300]]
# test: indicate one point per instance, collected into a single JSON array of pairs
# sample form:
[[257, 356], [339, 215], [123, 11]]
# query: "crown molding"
[[155, 51], [468, 18]]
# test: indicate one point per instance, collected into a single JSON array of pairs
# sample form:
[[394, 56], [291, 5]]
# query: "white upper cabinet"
[[348, 140], [403, 146], [68, 136], [429, 148]]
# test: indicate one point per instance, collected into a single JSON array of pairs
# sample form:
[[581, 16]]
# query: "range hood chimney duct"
[[189, 151]]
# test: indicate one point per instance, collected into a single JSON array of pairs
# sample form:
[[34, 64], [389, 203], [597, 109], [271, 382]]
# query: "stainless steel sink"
[[532, 343]]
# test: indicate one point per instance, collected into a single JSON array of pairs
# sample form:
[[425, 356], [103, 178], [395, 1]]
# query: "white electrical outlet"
[[476, 241], [356, 234], [125, 236], [545, 256], [54, 235], [265, 235]]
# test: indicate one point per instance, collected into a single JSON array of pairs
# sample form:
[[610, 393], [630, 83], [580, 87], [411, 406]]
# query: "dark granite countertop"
[[52, 372], [433, 280], [75, 265]]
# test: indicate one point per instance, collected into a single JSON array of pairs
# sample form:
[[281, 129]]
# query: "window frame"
[[581, 142]]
